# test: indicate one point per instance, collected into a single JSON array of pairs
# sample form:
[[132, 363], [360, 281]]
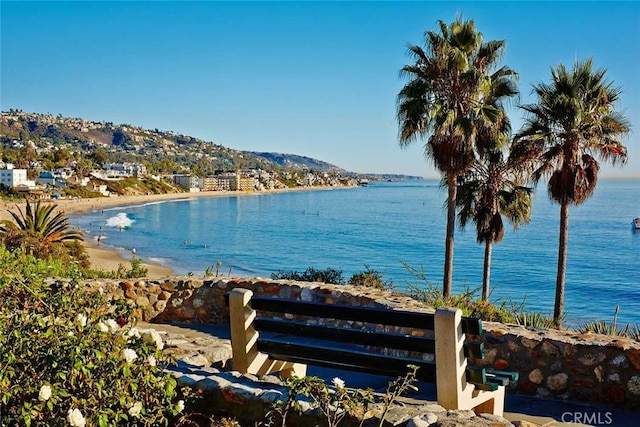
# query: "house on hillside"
[[124, 170], [53, 179]]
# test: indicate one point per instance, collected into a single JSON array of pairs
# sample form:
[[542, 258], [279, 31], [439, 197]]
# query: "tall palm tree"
[[41, 223], [447, 95], [492, 189], [573, 120]]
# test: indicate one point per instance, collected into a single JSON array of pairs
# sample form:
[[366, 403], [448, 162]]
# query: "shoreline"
[[108, 258]]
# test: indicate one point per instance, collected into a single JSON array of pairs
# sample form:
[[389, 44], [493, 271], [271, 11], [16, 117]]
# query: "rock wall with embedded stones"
[[559, 364]]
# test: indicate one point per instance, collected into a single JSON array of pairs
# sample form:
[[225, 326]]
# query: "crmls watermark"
[[590, 418]]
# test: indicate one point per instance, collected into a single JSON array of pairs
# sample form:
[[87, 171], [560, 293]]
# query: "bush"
[[136, 270], [370, 279], [329, 275], [70, 358], [423, 290]]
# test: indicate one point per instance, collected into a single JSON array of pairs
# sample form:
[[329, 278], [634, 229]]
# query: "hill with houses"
[[56, 151]]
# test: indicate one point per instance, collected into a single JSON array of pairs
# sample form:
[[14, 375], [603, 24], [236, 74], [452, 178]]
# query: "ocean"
[[387, 226]]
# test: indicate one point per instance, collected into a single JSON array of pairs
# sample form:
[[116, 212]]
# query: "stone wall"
[[558, 364]]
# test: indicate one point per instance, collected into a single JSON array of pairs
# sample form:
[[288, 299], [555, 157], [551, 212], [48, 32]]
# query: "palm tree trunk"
[[452, 181], [488, 247], [562, 264]]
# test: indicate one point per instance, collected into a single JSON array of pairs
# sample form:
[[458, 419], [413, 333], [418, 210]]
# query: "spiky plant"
[[38, 224]]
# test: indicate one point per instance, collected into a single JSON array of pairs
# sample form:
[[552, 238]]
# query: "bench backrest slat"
[[348, 335], [344, 312], [383, 316]]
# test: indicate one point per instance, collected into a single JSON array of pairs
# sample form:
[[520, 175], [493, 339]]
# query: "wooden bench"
[[280, 340]]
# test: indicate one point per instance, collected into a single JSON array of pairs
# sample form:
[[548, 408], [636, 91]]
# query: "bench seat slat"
[[349, 359], [354, 336], [496, 379], [486, 387]]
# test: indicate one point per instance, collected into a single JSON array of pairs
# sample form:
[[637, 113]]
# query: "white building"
[[13, 177], [189, 182], [125, 169]]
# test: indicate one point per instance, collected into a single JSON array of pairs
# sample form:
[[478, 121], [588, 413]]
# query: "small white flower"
[[154, 336], [103, 327], [45, 393], [134, 332], [70, 333], [129, 355], [337, 383], [75, 418], [135, 409], [151, 360], [81, 319], [113, 325], [180, 406]]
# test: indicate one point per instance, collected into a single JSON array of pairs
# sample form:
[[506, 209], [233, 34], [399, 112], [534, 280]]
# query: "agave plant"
[[39, 223]]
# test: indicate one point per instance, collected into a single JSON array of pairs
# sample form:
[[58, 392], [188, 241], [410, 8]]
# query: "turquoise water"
[[386, 224]]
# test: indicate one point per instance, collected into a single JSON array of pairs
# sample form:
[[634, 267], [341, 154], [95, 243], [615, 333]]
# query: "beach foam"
[[119, 221]]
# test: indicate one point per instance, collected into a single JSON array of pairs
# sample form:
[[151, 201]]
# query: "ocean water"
[[385, 225]]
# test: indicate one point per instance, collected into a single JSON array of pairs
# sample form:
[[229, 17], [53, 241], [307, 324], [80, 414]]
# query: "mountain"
[[296, 162]]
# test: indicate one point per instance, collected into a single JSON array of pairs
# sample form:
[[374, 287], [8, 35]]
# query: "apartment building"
[[13, 177]]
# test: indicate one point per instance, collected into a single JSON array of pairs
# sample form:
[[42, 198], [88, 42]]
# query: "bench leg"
[[452, 388], [494, 405], [294, 369], [244, 341]]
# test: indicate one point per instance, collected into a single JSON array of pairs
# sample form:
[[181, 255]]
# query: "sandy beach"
[[104, 258]]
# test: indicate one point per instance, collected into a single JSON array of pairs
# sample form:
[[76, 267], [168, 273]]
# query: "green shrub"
[[336, 403], [136, 270], [70, 358], [371, 279], [535, 320], [611, 328], [329, 275]]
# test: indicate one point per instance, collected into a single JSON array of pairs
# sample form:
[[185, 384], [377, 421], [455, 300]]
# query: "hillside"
[[296, 162], [162, 151], [48, 141]]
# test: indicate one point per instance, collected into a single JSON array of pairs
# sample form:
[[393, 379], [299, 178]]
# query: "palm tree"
[[573, 120], [448, 93], [38, 223], [492, 189]]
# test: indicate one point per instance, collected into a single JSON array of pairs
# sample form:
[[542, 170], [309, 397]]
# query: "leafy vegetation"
[[611, 328], [135, 270], [337, 402], [328, 275], [371, 279], [70, 358], [45, 236], [43, 233], [368, 278]]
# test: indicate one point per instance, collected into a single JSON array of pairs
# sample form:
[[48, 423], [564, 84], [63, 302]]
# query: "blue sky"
[[318, 79]]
